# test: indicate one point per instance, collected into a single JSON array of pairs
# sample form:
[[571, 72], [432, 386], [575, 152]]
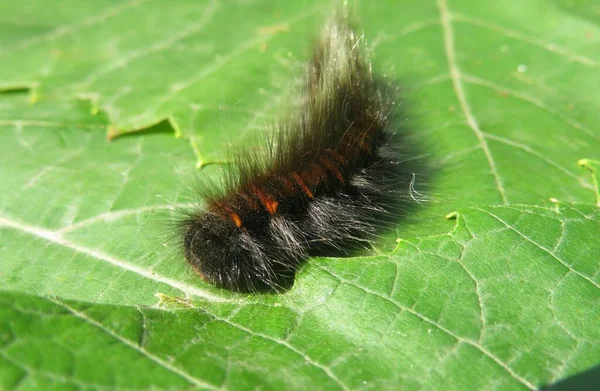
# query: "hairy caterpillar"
[[328, 182]]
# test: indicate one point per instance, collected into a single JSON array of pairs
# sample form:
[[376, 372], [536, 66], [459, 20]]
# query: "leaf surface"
[[502, 101]]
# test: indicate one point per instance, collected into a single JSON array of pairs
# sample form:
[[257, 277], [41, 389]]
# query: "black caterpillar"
[[328, 182]]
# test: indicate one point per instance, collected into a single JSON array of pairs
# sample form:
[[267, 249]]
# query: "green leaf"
[[94, 294]]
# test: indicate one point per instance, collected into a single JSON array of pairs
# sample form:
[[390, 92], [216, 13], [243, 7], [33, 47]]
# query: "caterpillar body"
[[326, 183]]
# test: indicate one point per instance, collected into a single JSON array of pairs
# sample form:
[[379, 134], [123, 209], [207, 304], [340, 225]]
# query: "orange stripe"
[[236, 219], [301, 183], [232, 215], [332, 168], [269, 202]]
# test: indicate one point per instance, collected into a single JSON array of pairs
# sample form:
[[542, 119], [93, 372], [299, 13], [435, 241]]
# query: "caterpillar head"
[[225, 255]]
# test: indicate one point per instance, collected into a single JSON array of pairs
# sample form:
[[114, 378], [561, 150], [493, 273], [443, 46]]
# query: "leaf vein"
[[62, 31], [535, 101], [194, 28], [460, 94], [544, 249], [424, 318], [134, 346], [551, 47], [56, 238]]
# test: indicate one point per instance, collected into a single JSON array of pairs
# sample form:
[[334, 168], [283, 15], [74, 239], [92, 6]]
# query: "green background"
[[501, 99]]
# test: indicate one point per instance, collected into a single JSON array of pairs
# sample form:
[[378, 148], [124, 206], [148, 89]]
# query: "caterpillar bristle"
[[328, 182]]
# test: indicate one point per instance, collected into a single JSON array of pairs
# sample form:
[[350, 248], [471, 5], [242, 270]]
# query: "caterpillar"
[[327, 182]]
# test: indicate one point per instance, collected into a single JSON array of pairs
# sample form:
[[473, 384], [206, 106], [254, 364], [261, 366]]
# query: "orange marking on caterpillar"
[[236, 219], [332, 168], [230, 212], [268, 202], [302, 185]]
